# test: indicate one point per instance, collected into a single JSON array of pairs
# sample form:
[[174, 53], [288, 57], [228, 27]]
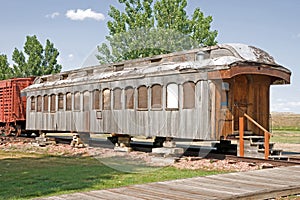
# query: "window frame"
[[142, 98], [77, 96], [106, 99], [68, 101], [39, 100], [32, 103], [189, 95], [129, 98], [60, 100], [86, 101], [46, 103], [117, 99], [156, 102], [168, 91], [53, 103], [96, 99]]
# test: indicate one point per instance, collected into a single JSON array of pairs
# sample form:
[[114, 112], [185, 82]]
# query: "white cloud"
[[84, 14], [53, 15], [285, 106], [298, 35], [70, 56]]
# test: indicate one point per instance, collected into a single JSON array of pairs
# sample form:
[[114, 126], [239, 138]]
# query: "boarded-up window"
[[96, 99], [68, 101], [172, 96], [32, 103], [129, 98], [117, 99], [106, 99], [52, 102], [156, 96], [142, 97], [60, 101], [86, 101], [46, 103], [189, 95], [77, 101], [39, 104]]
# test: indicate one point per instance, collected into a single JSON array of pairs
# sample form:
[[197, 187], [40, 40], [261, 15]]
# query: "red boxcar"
[[12, 105]]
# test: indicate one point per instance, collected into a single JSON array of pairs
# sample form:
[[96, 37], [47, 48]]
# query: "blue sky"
[[76, 27]]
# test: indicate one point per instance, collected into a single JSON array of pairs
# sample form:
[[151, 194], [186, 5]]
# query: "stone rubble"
[[28, 145]]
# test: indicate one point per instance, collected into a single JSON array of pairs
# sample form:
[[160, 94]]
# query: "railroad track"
[[189, 151], [275, 163]]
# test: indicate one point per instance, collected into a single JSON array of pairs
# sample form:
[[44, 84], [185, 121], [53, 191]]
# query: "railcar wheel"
[[18, 130], [7, 129]]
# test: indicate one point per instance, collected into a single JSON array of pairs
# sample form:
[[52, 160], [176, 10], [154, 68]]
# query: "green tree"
[[146, 29], [5, 71], [50, 65], [40, 61]]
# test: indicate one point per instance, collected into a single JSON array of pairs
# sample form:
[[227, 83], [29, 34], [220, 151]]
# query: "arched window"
[[39, 103], [129, 98], [106, 99], [172, 96], [77, 101], [117, 99], [68, 101], [96, 99], [142, 97], [60, 101], [86, 101], [52, 103], [32, 103], [156, 96], [189, 95], [46, 103]]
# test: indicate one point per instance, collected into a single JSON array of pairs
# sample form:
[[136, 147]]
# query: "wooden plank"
[[204, 189], [208, 192], [78, 195], [269, 194], [255, 180], [105, 194], [170, 193], [295, 170], [100, 194], [133, 192], [242, 182], [215, 184], [146, 192]]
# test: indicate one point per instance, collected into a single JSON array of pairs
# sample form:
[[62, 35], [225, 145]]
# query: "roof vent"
[[156, 60], [200, 56], [119, 67]]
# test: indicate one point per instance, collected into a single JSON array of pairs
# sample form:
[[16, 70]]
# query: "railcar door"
[[240, 99], [226, 112]]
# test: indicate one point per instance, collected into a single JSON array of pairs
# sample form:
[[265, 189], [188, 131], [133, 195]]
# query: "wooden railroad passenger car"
[[12, 105], [196, 94]]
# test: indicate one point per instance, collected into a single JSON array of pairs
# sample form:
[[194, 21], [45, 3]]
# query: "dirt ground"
[[288, 148], [28, 145]]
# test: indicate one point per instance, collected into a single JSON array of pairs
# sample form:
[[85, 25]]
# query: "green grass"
[[286, 128], [24, 176], [286, 136]]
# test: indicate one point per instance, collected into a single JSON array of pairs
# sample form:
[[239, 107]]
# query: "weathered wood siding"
[[183, 123]]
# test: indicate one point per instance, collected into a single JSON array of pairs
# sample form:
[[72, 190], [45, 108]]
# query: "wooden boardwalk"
[[260, 184]]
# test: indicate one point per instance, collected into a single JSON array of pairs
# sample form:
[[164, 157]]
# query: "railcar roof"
[[213, 58]]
